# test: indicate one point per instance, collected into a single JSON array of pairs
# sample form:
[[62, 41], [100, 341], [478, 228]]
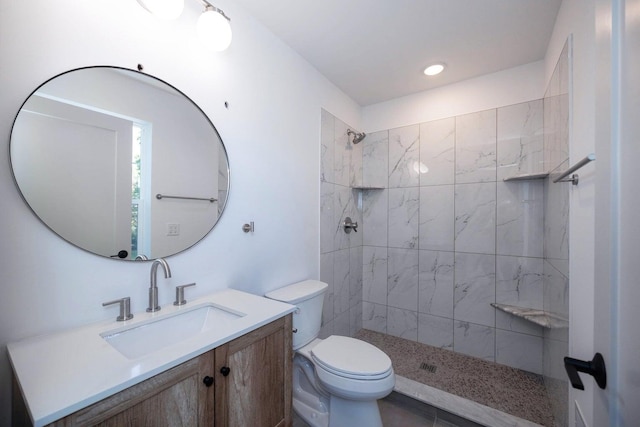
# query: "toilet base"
[[311, 416], [321, 409], [344, 412], [341, 413]]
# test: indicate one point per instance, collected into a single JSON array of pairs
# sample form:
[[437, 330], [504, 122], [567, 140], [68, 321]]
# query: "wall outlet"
[[173, 229]]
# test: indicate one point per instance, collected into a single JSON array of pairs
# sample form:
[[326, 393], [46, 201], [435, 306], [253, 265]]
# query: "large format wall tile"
[[402, 281], [519, 282], [556, 222], [404, 157], [474, 340], [341, 281], [374, 317], [435, 293], [436, 331], [327, 217], [343, 206], [556, 114], [355, 319], [436, 227], [402, 323], [375, 217], [476, 147], [475, 288], [355, 275], [437, 152], [475, 218], [556, 291], [404, 207], [375, 160], [356, 165], [326, 275], [520, 222], [519, 351], [342, 154], [520, 139], [374, 274], [341, 324]]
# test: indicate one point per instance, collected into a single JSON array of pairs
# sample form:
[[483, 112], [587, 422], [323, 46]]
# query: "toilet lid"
[[351, 358]]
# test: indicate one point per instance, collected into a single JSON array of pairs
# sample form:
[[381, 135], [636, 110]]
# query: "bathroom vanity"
[[233, 372]]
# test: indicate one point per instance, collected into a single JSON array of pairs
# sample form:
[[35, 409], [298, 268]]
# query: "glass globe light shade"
[[163, 9], [214, 30]]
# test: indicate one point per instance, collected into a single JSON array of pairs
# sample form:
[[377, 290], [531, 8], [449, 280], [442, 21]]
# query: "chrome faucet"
[[153, 287]]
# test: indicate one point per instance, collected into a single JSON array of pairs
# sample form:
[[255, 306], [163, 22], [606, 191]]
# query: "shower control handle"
[[349, 225]]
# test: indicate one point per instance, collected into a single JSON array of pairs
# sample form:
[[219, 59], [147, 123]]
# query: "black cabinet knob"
[[208, 381], [225, 371]]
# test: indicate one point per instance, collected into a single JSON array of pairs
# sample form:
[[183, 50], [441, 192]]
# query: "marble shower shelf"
[[539, 317], [527, 176]]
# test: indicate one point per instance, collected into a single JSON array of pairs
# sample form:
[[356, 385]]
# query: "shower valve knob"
[[350, 225]]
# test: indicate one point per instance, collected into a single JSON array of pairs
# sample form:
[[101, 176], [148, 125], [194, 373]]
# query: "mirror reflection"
[[119, 163]]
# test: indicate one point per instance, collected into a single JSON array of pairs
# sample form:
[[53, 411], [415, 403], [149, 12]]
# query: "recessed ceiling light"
[[434, 69]]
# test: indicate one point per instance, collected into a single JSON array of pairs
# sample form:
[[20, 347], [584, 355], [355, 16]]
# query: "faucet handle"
[[180, 294], [125, 308]]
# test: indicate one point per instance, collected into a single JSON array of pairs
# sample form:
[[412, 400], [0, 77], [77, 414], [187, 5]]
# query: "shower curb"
[[457, 405]]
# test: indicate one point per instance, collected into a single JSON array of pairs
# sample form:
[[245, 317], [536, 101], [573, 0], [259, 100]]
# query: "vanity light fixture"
[[213, 28], [163, 9], [434, 69]]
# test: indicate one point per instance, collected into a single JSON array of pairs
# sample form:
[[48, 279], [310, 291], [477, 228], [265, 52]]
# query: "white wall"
[[507, 87], [578, 18], [271, 130]]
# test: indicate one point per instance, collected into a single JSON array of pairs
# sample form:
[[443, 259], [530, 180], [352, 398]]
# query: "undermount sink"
[[152, 335]]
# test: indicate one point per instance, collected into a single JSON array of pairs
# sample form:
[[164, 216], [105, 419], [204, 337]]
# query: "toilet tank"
[[308, 296]]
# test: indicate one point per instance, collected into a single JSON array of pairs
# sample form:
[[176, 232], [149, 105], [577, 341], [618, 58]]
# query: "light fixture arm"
[[209, 6]]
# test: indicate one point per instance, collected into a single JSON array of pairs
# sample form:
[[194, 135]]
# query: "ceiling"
[[376, 50]]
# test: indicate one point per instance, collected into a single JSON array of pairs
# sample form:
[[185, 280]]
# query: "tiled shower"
[[441, 235]]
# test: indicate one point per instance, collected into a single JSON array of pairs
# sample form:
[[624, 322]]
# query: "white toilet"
[[336, 381]]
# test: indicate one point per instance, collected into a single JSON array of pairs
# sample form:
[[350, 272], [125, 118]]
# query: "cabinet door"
[[177, 397], [253, 378]]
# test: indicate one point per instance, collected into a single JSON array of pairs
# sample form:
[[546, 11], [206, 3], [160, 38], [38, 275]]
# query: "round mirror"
[[119, 163]]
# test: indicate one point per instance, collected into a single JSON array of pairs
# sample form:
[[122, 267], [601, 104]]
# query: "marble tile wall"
[[442, 235], [340, 253], [556, 234], [446, 237]]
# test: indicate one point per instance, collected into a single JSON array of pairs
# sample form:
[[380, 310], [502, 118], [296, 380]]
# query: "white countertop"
[[64, 372]]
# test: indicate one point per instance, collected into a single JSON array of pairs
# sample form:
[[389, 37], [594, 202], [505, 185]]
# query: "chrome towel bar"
[[574, 178], [164, 196]]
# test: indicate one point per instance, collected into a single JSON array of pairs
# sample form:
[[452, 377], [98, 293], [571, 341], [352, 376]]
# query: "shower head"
[[356, 136]]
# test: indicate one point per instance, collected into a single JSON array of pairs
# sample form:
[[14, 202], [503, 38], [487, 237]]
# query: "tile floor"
[[401, 411]]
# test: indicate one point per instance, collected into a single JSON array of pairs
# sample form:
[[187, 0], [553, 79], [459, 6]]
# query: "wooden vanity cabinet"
[[251, 387], [253, 378], [176, 397]]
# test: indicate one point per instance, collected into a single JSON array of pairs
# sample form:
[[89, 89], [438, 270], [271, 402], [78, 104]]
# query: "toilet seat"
[[351, 358]]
